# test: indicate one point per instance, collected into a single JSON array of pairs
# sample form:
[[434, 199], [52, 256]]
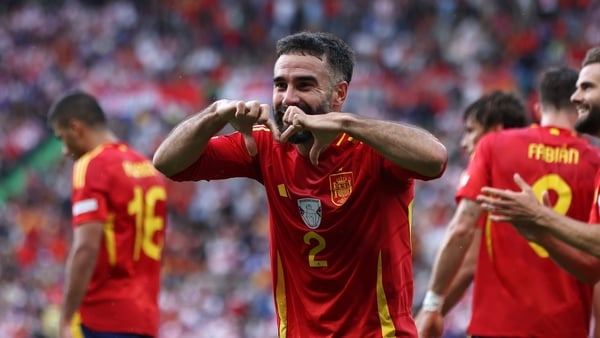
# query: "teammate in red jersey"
[[339, 188], [491, 112], [572, 243], [519, 291], [119, 219]]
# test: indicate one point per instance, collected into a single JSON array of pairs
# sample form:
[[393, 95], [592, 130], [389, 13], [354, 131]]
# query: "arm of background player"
[[80, 265], [455, 245], [464, 276], [580, 264]]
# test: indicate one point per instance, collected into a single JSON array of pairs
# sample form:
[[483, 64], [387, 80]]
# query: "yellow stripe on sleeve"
[[80, 167]]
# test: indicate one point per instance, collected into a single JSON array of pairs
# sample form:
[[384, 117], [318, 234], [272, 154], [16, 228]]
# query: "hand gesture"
[[244, 115], [521, 208], [430, 324], [323, 127]]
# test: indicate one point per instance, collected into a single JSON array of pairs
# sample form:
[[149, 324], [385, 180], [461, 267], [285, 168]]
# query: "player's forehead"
[[471, 123], [289, 67], [589, 74]]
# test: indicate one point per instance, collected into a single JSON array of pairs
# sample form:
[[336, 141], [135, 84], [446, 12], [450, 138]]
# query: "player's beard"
[[302, 136], [590, 124]]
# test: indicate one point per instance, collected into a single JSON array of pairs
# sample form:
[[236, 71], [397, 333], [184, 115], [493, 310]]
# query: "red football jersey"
[[595, 212], [340, 233], [115, 185], [518, 290]]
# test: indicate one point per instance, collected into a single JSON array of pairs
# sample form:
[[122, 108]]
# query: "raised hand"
[[324, 128], [244, 115]]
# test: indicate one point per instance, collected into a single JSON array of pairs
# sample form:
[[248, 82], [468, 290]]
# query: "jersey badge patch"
[[341, 187], [311, 212]]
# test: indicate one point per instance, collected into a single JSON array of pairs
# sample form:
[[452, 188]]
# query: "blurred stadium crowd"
[[152, 63]]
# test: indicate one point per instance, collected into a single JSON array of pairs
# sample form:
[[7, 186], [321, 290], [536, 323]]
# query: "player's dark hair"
[[556, 87], [339, 56], [498, 107], [592, 56], [77, 105]]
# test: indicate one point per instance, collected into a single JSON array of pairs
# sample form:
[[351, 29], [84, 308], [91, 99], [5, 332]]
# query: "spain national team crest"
[[341, 187], [311, 211]]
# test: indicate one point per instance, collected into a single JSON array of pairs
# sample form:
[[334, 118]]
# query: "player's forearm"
[[409, 147], [186, 142], [583, 236], [464, 277], [79, 269], [448, 260], [583, 266]]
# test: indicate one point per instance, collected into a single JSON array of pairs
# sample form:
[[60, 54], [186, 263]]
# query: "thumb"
[[315, 151], [250, 142], [520, 182], [546, 199]]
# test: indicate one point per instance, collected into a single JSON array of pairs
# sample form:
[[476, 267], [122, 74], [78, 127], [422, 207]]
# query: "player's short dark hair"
[[592, 56], [498, 108], [339, 55], [77, 105], [556, 87]]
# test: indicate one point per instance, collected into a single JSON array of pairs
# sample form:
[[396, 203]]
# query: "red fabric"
[[358, 216], [122, 297], [518, 291]]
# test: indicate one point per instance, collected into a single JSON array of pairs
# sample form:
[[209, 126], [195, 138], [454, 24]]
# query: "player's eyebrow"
[[295, 79]]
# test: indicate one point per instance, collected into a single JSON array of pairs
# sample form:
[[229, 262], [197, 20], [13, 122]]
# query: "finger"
[[546, 199], [499, 218], [253, 109], [315, 151], [263, 113], [274, 129], [484, 198], [250, 143], [240, 108], [521, 182], [291, 130], [487, 206], [493, 191]]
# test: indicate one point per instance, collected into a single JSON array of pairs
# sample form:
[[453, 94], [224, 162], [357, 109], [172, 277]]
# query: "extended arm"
[[532, 218], [186, 142], [79, 269], [407, 146], [455, 245]]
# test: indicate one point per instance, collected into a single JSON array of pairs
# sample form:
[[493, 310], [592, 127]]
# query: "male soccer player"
[[119, 218], [339, 188], [547, 225], [494, 111], [519, 291]]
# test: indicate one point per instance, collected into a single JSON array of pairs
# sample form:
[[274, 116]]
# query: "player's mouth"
[[583, 109]]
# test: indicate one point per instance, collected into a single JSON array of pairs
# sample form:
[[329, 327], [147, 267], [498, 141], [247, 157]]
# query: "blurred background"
[[153, 63]]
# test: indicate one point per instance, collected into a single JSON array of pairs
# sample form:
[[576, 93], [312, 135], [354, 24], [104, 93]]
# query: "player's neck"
[[559, 120], [102, 137]]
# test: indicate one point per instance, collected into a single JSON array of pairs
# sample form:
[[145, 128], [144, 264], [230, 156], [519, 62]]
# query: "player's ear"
[[75, 126], [340, 92], [496, 127], [537, 111]]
